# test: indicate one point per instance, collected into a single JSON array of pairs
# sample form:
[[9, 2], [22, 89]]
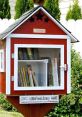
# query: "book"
[[24, 52], [35, 53], [27, 76], [34, 79], [55, 72], [20, 54], [20, 79], [29, 69], [24, 76], [50, 75], [29, 53]]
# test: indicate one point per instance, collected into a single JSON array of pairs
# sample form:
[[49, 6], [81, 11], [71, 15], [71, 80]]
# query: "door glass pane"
[[39, 67]]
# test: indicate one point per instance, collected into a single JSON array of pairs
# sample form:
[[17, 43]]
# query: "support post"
[[30, 110]]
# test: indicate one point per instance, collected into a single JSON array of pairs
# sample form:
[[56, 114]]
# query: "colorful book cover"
[[25, 56], [35, 53], [20, 54], [29, 70], [24, 76], [34, 79], [29, 53], [20, 77], [55, 72]]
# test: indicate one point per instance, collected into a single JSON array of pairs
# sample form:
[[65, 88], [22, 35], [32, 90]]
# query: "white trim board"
[[43, 36], [8, 65], [69, 65], [2, 69]]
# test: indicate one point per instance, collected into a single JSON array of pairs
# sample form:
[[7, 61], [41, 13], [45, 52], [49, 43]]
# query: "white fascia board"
[[8, 41], [44, 36], [69, 65]]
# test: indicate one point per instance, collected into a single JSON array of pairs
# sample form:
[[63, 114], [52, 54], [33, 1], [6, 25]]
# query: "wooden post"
[[40, 2], [30, 110]]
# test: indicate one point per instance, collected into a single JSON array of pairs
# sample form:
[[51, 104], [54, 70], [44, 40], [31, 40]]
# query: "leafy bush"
[[4, 104], [71, 105]]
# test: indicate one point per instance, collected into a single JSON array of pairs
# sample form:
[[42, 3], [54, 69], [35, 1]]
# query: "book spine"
[[34, 80], [30, 75], [55, 72], [24, 76], [29, 52], [35, 53], [50, 74], [20, 54], [24, 54], [20, 77]]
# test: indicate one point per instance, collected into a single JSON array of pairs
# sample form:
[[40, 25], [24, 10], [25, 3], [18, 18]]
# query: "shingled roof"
[[26, 16]]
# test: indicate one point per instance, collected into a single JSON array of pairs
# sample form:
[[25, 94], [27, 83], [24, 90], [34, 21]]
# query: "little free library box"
[[35, 56]]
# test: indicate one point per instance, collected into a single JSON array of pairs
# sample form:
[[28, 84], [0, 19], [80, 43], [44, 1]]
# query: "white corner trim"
[[8, 65], [43, 36], [69, 65], [2, 69]]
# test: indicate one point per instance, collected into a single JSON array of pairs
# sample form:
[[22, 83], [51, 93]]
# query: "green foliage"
[[22, 6], [4, 104], [69, 13], [53, 7], [4, 9], [71, 105], [74, 11]]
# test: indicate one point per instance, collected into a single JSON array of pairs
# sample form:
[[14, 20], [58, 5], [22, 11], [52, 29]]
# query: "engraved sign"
[[37, 30], [37, 99]]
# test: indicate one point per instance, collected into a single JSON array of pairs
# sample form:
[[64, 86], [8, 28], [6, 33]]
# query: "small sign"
[[37, 99], [37, 30]]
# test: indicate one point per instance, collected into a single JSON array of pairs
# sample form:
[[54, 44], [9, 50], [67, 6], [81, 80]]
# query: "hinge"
[[12, 55], [65, 67], [12, 78]]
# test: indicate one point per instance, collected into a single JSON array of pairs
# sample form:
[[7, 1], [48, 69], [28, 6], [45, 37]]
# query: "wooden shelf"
[[45, 60]]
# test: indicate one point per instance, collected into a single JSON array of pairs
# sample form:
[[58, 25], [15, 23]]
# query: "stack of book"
[[26, 76], [28, 53]]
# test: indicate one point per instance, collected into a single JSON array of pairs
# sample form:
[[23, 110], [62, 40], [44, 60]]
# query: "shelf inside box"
[[45, 61]]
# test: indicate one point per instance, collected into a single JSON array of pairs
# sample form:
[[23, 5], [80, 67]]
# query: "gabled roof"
[[27, 15]]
